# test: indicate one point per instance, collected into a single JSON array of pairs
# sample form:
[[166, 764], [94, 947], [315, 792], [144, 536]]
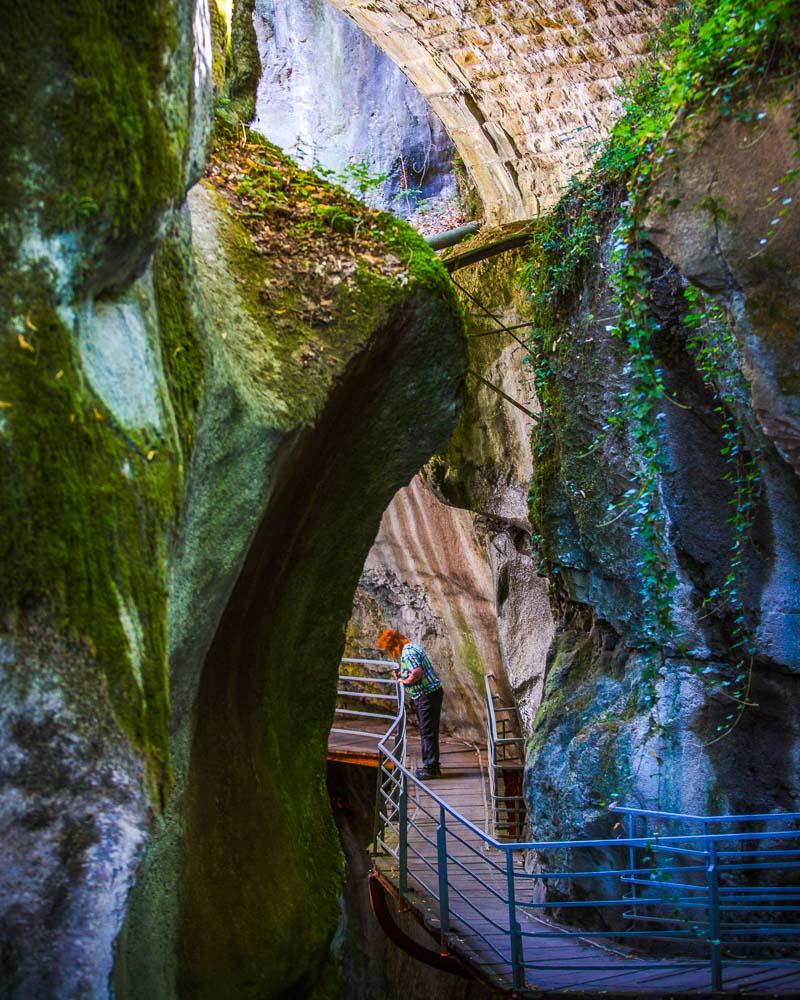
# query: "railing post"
[[714, 930], [517, 970], [444, 896], [377, 831], [402, 847], [629, 831]]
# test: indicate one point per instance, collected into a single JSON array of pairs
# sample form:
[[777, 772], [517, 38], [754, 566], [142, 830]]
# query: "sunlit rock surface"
[[329, 95]]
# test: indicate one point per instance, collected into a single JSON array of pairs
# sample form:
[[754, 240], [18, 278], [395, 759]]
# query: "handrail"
[[673, 883], [377, 663], [541, 845], [731, 818], [359, 697], [507, 810]]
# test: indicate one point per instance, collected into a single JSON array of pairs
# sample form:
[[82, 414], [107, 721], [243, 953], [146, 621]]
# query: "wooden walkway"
[[556, 964], [346, 748]]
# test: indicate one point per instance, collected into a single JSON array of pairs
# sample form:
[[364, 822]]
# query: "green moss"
[[468, 654], [568, 690], [467, 190], [84, 507], [244, 65], [182, 353], [305, 323], [337, 342], [219, 44], [81, 89]]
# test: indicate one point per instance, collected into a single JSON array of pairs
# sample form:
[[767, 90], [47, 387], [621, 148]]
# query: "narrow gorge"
[[474, 320]]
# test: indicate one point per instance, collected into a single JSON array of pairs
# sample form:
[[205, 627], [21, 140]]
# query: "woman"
[[417, 675]]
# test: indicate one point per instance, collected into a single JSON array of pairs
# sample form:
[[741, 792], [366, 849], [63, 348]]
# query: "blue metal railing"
[[724, 890]]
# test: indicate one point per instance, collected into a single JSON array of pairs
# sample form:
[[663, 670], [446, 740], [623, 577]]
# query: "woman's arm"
[[410, 660], [412, 678]]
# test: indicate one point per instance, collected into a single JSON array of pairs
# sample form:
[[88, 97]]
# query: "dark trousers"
[[429, 710]]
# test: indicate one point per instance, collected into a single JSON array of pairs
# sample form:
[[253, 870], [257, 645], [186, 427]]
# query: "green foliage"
[[639, 413], [712, 59], [79, 205], [357, 176], [714, 350]]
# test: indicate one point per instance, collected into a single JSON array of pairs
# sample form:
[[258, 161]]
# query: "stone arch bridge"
[[524, 87]]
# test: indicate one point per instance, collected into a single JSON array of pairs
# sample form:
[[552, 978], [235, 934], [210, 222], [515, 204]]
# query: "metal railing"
[[672, 895], [374, 702], [505, 752]]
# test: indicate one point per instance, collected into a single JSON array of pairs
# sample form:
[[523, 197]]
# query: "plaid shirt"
[[415, 656]]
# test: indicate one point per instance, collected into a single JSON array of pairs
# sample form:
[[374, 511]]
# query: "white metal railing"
[[367, 699], [506, 761]]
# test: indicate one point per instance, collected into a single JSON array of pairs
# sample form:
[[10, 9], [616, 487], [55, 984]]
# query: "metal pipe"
[[402, 848], [444, 899], [730, 818], [715, 944], [440, 241], [517, 959]]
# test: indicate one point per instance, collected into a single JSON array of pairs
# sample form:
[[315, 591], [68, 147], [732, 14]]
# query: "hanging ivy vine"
[[713, 59], [713, 348]]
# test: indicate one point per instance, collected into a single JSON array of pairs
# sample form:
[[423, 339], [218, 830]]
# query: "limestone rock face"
[[742, 246], [428, 575], [73, 816], [292, 417], [628, 714], [524, 89], [192, 406], [745, 249], [105, 122], [330, 96]]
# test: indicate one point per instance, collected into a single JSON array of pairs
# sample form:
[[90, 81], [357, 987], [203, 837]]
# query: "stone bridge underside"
[[523, 87]]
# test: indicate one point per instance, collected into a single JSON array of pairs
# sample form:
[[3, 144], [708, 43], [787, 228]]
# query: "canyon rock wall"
[[186, 405], [91, 467], [451, 566], [210, 392], [329, 95], [647, 714]]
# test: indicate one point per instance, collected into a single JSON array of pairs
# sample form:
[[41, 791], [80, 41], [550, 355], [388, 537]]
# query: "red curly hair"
[[392, 641]]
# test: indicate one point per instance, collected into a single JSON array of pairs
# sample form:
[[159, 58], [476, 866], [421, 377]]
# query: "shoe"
[[423, 773]]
